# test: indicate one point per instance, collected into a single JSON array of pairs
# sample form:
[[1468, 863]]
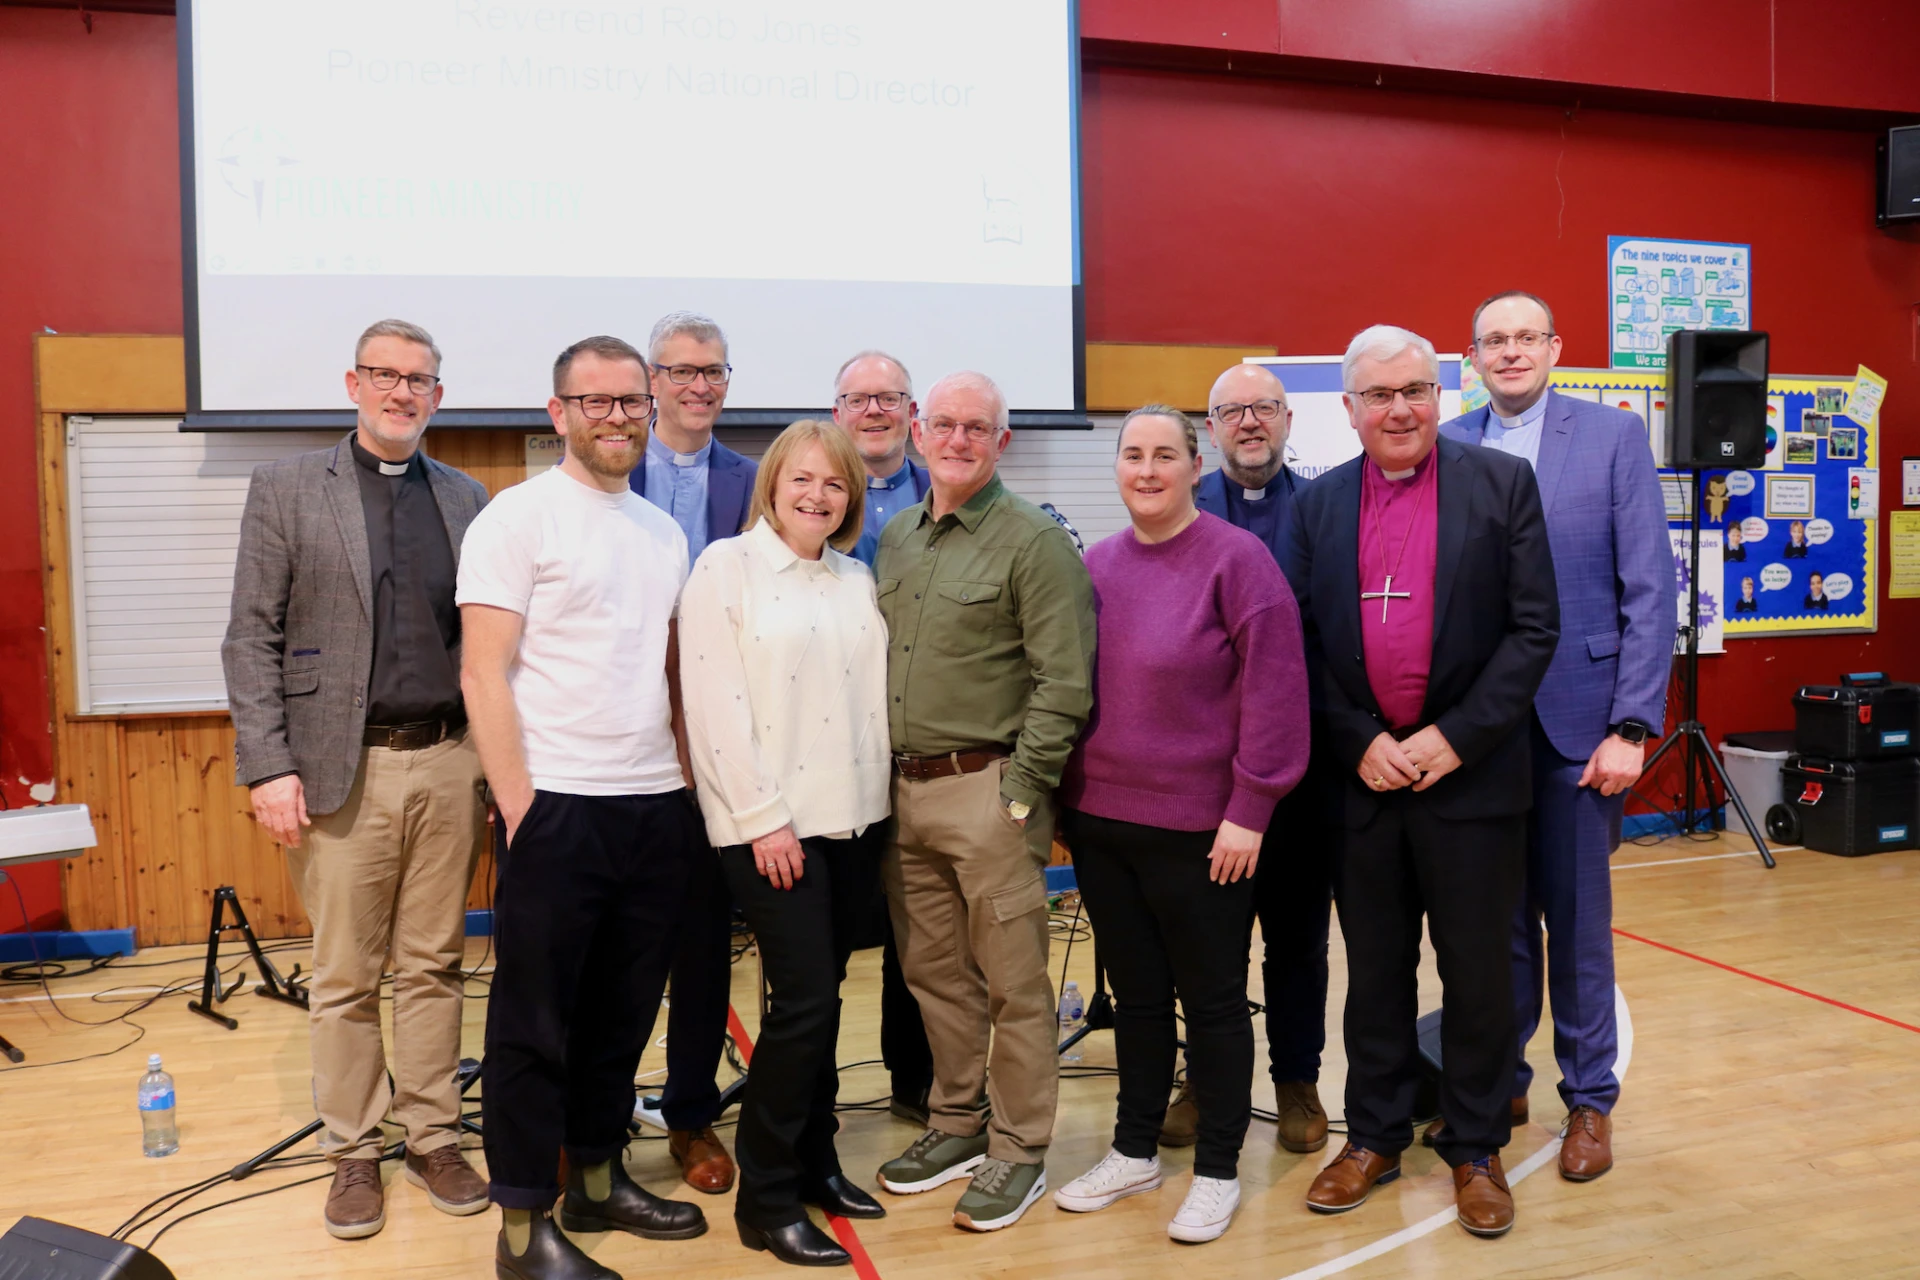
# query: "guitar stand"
[[289, 990]]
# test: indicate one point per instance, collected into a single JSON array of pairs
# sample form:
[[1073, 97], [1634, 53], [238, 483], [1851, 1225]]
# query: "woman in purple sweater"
[[1199, 726]]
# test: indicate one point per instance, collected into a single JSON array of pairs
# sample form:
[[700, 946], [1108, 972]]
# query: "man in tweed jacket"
[[342, 659]]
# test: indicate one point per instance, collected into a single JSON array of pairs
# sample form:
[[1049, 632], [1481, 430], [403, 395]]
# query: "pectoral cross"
[[1386, 595]]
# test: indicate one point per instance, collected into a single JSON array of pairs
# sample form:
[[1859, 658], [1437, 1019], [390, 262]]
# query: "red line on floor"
[[842, 1229], [1774, 982]]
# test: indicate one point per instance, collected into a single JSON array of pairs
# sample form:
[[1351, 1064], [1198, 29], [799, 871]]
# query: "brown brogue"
[[1520, 1112], [1586, 1151], [449, 1181], [1303, 1121], [704, 1163], [1481, 1196], [1350, 1179], [356, 1203]]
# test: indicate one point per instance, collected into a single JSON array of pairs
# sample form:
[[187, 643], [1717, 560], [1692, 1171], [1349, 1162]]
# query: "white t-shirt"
[[596, 576]]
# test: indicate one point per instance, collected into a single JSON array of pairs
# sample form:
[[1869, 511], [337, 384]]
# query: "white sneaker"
[[1115, 1178], [646, 1110], [1207, 1211]]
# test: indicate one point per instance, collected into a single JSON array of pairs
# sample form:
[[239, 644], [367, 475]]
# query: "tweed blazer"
[[299, 646]]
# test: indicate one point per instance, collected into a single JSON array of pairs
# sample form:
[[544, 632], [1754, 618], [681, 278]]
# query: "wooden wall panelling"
[[1122, 376]]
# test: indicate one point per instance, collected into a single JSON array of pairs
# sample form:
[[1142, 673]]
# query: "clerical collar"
[[1403, 476], [659, 452], [1530, 416], [373, 462], [1253, 495], [894, 481]]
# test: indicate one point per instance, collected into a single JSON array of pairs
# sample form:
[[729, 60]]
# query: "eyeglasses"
[[857, 401], [598, 407], [1264, 411], [1525, 340], [682, 375], [978, 432], [421, 384], [1414, 393]]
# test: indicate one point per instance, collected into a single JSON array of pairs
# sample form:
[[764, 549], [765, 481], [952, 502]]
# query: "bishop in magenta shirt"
[[1399, 535]]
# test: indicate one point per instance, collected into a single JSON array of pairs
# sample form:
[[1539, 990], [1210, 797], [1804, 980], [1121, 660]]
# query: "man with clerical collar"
[[1248, 420], [706, 488], [1426, 589], [342, 659], [1604, 695], [873, 400]]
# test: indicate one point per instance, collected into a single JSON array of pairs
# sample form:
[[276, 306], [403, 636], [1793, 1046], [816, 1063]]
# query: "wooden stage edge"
[[1765, 1129]]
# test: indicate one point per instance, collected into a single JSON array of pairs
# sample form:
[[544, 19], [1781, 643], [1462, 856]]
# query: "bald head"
[[1252, 451]]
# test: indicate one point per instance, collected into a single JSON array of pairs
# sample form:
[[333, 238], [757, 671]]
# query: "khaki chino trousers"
[[384, 879], [967, 892]]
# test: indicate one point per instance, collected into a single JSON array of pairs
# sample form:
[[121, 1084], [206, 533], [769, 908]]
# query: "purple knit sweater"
[[1200, 683]]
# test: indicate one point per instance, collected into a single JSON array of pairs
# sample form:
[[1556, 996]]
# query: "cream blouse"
[[783, 673]]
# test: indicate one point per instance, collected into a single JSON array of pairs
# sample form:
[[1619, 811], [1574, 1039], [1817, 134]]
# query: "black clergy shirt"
[[415, 623]]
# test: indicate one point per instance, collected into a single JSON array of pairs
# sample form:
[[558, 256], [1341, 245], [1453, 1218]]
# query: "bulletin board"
[[1809, 515]]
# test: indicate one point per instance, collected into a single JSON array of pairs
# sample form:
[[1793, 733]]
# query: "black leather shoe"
[[842, 1198], [549, 1256], [629, 1207], [802, 1244]]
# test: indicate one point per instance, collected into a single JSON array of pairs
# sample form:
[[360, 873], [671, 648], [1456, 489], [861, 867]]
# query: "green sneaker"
[[1000, 1193], [933, 1158]]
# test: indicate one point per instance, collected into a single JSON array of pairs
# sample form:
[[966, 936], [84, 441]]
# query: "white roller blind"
[[154, 523]]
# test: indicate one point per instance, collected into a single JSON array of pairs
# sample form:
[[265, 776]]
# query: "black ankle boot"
[[841, 1198], [628, 1207], [549, 1256], [801, 1244]]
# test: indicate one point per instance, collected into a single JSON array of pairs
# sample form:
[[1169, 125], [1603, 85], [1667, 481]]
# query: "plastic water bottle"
[[1073, 1016], [160, 1136]]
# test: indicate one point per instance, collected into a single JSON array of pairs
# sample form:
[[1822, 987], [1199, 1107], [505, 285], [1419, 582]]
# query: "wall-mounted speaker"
[[1716, 399], [1897, 176], [43, 1250]]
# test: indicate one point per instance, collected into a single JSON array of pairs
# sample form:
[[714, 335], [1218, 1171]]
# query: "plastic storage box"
[[1854, 807], [1864, 717]]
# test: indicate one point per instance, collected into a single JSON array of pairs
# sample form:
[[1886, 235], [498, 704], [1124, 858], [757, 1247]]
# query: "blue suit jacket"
[[1607, 524], [1211, 497], [729, 490], [869, 544]]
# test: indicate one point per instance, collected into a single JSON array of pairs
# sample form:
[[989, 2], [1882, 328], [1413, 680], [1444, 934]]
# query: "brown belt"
[[412, 737], [922, 768]]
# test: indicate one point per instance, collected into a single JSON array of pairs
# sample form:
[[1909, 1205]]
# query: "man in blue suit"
[[1248, 420], [707, 489], [1603, 697], [873, 400]]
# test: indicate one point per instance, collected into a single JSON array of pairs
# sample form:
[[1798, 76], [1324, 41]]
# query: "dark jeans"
[[697, 1008], [903, 1035], [1293, 897], [1163, 929], [585, 920], [805, 934], [1464, 878]]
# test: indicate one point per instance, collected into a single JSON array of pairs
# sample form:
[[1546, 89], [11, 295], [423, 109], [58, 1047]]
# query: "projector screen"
[[819, 177]]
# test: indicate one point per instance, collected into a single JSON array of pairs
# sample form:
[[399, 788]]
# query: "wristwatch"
[[1018, 810], [1633, 731]]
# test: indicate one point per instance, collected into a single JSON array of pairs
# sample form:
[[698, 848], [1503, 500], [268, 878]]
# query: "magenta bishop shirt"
[[1399, 523]]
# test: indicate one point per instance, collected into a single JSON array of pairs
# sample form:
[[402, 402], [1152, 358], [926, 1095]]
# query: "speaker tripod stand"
[[1700, 761]]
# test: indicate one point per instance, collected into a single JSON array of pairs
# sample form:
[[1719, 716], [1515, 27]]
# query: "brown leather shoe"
[[449, 1181], [356, 1203], [1480, 1193], [1303, 1121], [1587, 1150], [1350, 1179], [704, 1163], [1181, 1128], [1520, 1112]]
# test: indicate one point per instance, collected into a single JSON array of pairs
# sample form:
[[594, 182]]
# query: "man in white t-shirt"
[[567, 594]]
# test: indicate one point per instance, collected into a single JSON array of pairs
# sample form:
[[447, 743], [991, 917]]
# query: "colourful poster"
[[1655, 287]]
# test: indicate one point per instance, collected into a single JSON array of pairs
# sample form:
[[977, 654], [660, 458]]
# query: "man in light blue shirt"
[[1518, 435], [677, 484], [873, 400]]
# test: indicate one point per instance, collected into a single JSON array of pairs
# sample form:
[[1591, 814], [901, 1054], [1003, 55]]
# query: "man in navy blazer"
[[1603, 697], [707, 488]]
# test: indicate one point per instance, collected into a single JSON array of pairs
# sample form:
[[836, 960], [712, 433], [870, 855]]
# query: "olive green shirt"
[[990, 635]]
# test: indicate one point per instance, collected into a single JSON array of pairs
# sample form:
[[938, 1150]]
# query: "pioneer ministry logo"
[[248, 159]]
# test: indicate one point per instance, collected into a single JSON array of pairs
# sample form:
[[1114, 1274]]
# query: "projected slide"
[[819, 176]]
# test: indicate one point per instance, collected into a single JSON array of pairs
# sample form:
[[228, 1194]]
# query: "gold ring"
[[1380, 782]]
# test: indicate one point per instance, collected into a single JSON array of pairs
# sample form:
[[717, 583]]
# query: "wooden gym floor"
[[1767, 1128]]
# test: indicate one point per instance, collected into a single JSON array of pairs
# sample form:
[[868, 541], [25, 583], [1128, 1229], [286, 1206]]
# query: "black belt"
[[923, 768], [412, 737]]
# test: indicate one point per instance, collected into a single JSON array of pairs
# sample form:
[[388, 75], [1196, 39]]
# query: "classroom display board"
[[1797, 537]]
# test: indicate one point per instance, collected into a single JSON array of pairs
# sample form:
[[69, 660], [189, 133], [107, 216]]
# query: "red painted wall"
[[1217, 209], [89, 243]]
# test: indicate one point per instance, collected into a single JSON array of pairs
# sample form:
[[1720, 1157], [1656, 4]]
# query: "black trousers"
[[585, 921], [903, 1033], [1293, 898], [697, 1009], [1464, 878], [1165, 929], [805, 935]]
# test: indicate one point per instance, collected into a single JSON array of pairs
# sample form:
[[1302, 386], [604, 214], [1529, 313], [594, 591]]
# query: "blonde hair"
[[1171, 414], [841, 456]]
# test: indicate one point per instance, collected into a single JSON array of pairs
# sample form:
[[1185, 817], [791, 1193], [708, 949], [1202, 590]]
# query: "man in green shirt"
[[989, 680]]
